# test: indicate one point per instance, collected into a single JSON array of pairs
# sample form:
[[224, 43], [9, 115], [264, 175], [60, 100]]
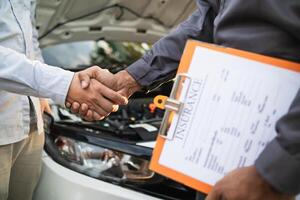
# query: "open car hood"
[[60, 21]]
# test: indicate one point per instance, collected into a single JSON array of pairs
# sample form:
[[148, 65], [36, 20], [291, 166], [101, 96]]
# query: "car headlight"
[[105, 154], [103, 163]]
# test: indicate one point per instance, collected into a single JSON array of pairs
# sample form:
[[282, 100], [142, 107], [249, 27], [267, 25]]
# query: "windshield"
[[111, 55]]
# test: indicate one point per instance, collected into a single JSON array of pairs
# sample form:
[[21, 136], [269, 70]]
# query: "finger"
[[68, 104], [98, 109], [124, 92], [105, 104], [214, 195], [88, 116], [100, 104], [113, 96], [97, 117], [48, 109], [115, 108], [75, 107], [84, 79], [83, 109]]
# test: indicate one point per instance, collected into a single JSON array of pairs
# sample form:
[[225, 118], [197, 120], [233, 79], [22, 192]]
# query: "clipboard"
[[173, 106]]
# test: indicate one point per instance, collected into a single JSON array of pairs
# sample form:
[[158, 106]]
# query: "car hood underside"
[[60, 21]]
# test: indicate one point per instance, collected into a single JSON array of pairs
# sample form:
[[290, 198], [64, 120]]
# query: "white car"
[[109, 159]]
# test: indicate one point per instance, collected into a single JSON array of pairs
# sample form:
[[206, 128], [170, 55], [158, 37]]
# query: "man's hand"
[[122, 82], [97, 97], [95, 72], [245, 184]]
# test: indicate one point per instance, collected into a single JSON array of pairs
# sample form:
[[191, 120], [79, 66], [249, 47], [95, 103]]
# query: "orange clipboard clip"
[[160, 101]]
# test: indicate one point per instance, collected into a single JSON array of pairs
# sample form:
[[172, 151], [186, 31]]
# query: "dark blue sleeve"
[[279, 163]]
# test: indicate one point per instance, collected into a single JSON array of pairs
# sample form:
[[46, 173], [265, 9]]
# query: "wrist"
[[72, 89], [127, 82]]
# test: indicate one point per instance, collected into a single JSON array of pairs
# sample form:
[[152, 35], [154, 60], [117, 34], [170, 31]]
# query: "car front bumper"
[[60, 183]]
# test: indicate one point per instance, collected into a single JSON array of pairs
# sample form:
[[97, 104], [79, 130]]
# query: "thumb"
[[125, 95], [124, 92], [84, 79]]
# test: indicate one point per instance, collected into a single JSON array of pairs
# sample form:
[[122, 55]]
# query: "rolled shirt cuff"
[[62, 93], [146, 75], [139, 70], [279, 168]]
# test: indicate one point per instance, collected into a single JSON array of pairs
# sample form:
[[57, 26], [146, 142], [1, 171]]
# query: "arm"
[[279, 163], [33, 78], [161, 62], [20, 75]]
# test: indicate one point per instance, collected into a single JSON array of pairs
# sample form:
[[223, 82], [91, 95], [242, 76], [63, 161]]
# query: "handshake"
[[94, 93]]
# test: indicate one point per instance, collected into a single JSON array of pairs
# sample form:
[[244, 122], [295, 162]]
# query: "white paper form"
[[230, 109]]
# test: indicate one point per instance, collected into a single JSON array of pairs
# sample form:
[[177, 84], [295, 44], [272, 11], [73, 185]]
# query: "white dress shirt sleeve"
[[20, 75]]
